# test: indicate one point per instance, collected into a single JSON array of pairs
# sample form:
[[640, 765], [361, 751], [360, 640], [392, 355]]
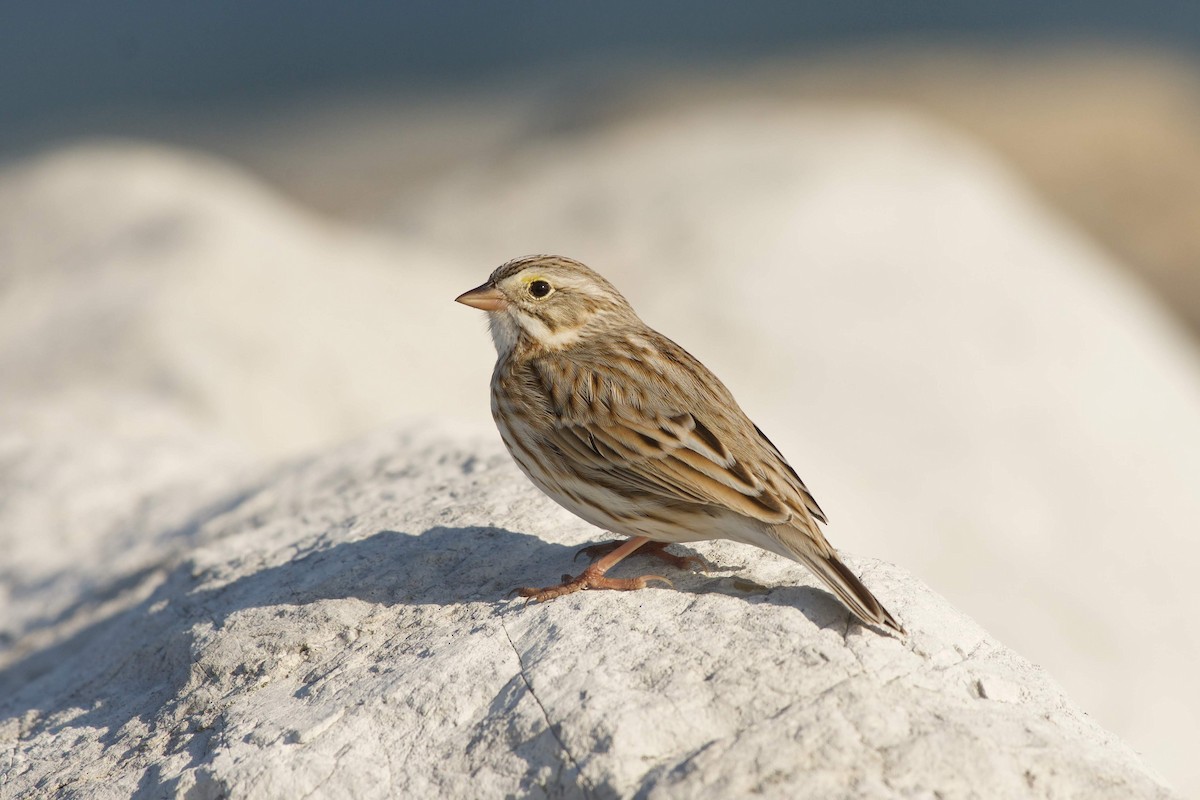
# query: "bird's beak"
[[485, 297]]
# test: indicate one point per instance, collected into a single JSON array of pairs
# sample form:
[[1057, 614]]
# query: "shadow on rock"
[[125, 674], [819, 605], [133, 664]]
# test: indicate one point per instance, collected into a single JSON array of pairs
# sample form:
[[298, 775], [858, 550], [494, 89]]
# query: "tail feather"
[[846, 585], [857, 597]]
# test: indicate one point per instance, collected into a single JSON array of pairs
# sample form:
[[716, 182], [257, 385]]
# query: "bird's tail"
[[846, 585]]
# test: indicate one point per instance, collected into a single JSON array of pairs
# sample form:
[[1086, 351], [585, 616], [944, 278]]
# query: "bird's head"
[[546, 303]]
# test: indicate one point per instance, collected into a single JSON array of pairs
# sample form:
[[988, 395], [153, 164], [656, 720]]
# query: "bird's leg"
[[655, 549], [593, 577]]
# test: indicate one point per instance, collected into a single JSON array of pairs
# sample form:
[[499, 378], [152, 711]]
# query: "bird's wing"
[[791, 478], [676, 456], [635, 435]]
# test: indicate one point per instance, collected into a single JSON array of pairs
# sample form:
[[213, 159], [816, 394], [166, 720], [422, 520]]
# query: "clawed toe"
[[594, 578], [587, 580]]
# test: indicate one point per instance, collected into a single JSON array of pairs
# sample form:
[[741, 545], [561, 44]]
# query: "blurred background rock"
[[420, 144], [1097, 104]]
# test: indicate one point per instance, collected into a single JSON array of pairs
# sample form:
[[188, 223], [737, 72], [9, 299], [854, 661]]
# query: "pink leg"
[[654, 549], [593, 576]]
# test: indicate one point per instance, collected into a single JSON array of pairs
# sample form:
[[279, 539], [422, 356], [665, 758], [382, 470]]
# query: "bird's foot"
[[654, 549], [590, 578]]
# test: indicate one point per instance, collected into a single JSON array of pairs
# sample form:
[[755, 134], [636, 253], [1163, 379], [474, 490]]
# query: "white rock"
[[344, 632]]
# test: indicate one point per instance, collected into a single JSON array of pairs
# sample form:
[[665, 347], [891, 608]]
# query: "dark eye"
[[539, 288]]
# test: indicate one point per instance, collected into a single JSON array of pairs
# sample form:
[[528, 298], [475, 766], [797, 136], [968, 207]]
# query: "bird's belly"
[[625, 514], [639, 515], [599, 505], [628, 517]]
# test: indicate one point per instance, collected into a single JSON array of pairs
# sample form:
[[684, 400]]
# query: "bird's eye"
[[539, 289]]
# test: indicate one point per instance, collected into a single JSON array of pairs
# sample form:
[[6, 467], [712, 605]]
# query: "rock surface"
[[343, 631]]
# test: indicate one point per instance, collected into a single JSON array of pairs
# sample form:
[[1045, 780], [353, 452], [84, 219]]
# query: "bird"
[[627, 430]]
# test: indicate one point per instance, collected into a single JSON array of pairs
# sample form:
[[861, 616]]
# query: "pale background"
[[947, 258]]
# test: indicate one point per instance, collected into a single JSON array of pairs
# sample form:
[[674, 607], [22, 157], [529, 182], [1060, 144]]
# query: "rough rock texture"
[[343, 631], [970, 389]]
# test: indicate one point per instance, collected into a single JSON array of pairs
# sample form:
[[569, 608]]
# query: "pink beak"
[[485, 298]]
